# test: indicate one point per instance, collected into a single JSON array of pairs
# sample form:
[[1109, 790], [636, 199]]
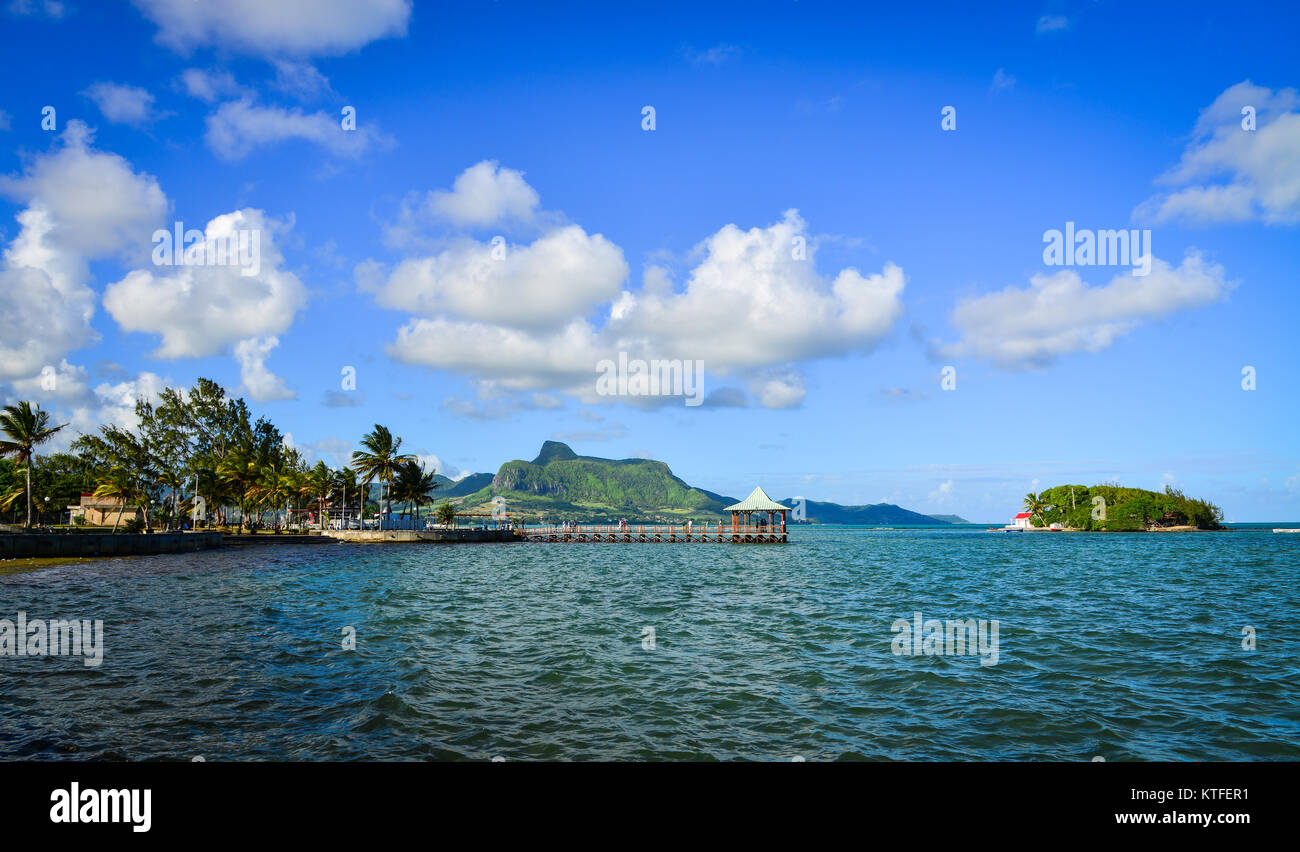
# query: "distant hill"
[[876, 513], [460, 487], [559, 483], [951, 519]]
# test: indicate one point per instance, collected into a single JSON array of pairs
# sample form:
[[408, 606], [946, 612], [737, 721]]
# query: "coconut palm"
[[379, 458], [317, 484], [25, 428], [118, 485], [413, 484], [446, 514], [1034, 505]]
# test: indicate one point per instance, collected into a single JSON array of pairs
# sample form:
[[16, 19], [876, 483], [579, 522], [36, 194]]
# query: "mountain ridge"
[[560, 484]]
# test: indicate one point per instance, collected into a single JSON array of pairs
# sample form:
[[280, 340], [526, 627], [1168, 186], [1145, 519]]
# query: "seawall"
[[436, 536], [104, 544]]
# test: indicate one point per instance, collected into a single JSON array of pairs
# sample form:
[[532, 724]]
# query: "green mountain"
[[951, 519], [560, 484], [448, 487], [876, 513]]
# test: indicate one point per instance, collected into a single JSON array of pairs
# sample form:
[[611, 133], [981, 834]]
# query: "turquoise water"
[[1127, 647]]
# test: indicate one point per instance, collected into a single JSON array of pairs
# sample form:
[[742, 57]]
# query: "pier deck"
[[637, 533]]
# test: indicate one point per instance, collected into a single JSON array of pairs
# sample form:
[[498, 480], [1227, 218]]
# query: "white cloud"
[[748, 307], [258, 381], [301, 80], [97, 204], [749, 304], [82, 204], [942, 494], [1002, 81], [1059, 314], [6, 121], [1052, 23], [211, 86], [784, 391], [484, 194], [1230, 174], [237, 128], [562, 274], [201, 310], [123, 104], [283, 27]]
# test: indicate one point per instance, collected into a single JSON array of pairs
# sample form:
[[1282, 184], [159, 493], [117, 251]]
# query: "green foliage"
[[566, 485], [133, 525], [446, 514], [1126, 509]]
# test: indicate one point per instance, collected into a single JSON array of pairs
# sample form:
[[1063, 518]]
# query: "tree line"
[[198, 453]]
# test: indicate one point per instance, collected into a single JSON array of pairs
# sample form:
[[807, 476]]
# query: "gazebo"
[[758, 502]]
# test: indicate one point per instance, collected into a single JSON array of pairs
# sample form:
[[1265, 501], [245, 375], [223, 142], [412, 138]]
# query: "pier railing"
[[720, 532]]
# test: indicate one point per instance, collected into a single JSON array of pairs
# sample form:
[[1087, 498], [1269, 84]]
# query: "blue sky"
[[924, 247]]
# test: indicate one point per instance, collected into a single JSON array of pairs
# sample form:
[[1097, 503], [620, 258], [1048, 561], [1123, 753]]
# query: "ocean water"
[[1125, 647]]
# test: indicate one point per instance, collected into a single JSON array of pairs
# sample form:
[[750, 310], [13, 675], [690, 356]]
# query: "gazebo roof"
[[757, 501]]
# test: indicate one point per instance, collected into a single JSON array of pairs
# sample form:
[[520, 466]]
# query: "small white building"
[[1021, 521]]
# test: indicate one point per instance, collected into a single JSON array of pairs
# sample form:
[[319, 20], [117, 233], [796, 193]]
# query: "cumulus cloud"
[[81, 204], [258, 381], [750, 303], [539, 285], [123, 104], [542, 317], [239, 127], [283, 27], [485, 194], [1230, 174], [202, 310], [1060, 314]]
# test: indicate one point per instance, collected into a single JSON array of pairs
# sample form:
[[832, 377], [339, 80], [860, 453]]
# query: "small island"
[[1114, 508]]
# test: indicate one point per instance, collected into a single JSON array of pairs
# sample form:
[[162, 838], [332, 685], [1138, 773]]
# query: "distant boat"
[[1291, 531]]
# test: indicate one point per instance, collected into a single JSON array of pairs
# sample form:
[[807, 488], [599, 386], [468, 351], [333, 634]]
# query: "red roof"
[[1024, 515]]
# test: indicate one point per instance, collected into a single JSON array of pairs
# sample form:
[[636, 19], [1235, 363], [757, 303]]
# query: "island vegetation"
[[1114, 508]]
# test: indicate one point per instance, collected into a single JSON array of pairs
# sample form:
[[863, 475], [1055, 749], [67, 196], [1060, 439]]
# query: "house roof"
[[1024, 515], [757, 501]]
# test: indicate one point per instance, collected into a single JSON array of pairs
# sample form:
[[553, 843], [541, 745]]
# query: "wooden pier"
[[744, 528], [634, 533]]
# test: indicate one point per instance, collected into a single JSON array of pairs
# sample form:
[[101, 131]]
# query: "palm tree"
[[118, 485], [25, 428], [1034, 505], [380, 458], [317, 483], [413, 484], [447, 514]]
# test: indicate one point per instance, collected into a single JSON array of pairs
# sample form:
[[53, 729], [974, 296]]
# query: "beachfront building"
[[1022, 521], [758, 515], [102, 511]]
